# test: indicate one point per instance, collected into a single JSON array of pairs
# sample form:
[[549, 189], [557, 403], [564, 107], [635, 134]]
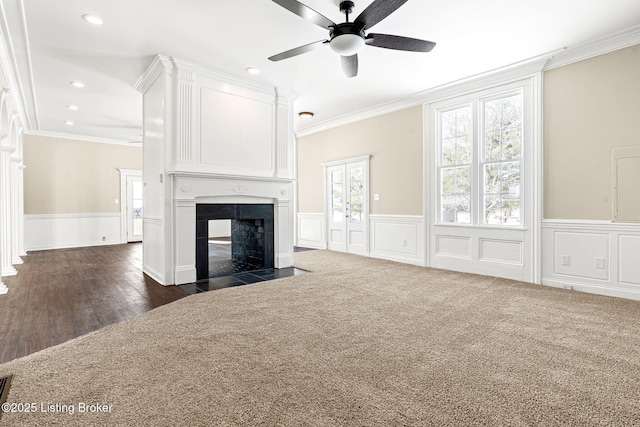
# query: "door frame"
[[365, 217], [124, 225]]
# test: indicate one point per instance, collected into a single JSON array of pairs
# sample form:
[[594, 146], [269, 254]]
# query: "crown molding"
[[83, 138], [547, 61], [9, 66], [159, 65], [490, 78], [600, 46]]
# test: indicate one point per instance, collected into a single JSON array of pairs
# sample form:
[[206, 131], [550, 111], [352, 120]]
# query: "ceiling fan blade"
[[349, 65], [377, 11], [306, 12], [388, 41], [298, 50]]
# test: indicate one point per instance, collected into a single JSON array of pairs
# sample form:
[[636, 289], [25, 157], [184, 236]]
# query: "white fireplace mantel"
[[210, 138]]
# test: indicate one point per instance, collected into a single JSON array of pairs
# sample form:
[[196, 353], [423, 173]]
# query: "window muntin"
[[456, 143], [480, 161], [501, 159]]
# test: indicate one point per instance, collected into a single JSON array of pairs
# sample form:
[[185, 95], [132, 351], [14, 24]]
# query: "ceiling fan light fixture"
[[305, 115], [347, 44], [93, 19]]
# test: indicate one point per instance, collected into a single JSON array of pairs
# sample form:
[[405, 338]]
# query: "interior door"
[[347, 201], [134, 208]]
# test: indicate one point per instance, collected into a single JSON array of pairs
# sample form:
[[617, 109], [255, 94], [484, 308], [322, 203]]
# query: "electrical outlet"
[[376, 197], [404, 243], [565, 260], [600, 263]]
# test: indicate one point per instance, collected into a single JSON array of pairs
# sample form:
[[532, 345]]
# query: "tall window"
[[479, 161]]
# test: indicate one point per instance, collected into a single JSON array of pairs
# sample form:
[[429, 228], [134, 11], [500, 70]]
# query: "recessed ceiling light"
[[72, 107], [77, 84], [305, 115], [253, 70], [68, 123], [93, 19]]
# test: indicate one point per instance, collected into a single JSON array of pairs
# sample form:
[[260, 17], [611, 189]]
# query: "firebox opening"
[[233, 238]]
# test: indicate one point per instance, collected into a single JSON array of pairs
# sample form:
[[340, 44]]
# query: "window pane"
[[455, 136], [336, 176], [137, 189], [448, 209], [502, 193], [503, 128]]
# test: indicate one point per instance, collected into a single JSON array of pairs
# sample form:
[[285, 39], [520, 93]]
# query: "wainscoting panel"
[[507, 251], [493, 251], [457, 246], [311, 231], [629, 260], [57, 231], [397, 238], [592, 256]]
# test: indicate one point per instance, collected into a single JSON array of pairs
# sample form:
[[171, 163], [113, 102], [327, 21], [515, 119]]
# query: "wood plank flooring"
[[64, 293]]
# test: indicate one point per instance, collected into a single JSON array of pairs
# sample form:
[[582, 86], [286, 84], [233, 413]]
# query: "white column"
[[21, 250], [16, 161], [5, 211], [3, 287]]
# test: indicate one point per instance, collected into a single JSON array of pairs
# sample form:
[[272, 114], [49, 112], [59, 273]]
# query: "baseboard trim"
[[609, 291]]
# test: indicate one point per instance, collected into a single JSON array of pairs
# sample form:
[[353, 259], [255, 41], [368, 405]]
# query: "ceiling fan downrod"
[[347, 8]]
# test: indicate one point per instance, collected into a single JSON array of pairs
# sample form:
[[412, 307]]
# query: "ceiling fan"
[[348, 38]]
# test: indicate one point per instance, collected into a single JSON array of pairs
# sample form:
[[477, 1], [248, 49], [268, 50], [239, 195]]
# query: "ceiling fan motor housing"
[[347, 38]]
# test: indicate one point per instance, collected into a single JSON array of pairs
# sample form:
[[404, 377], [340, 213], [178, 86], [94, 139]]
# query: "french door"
[[134, 208], [347, 212]]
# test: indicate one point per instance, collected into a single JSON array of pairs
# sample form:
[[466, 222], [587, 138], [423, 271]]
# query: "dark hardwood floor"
[[62, 294]]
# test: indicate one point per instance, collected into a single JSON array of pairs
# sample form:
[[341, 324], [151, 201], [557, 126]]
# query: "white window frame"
[[477, 101], [471, 247]]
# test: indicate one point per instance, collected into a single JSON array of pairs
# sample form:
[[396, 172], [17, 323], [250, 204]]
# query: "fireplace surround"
[[251, 234], [211, 138]]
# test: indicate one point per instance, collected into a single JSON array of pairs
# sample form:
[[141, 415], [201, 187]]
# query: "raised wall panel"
[[236, 133], [629, 249], [311, 231], [583, 251], [398, 238], [506, 251], [573, 250], [57, 231], [456, 246], [394, 237]]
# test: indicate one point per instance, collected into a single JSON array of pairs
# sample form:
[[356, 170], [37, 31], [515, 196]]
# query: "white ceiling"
[[51, 46]]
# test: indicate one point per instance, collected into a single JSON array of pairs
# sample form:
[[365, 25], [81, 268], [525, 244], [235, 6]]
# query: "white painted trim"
[[574, 240], [486, 80], [600, 46], [525, 76], [310, 225], [402, 240], [344, 161], [58, 231], [547, 61], [185, 274], [83, 138], [592, 288], [591, 225], [10, 68]]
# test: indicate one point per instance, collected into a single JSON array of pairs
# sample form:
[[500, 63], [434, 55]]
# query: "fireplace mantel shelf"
[[178, 174]]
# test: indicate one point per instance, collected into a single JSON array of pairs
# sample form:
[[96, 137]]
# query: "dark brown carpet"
[[359, 342]]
